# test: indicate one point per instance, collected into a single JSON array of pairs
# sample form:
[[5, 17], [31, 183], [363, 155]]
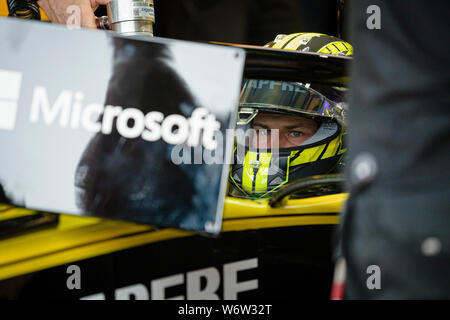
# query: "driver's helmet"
[[288, 130]]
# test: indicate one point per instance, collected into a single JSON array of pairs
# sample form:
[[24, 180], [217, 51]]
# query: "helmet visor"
[[278, 96]]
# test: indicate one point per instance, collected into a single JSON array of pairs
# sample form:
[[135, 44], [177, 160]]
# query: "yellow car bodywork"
[[76, 238]]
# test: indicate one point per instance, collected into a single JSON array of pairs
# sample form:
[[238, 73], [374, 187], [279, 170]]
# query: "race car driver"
[[288, 131]]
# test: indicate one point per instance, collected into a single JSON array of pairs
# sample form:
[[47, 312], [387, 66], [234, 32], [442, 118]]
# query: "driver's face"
[[292, 130]]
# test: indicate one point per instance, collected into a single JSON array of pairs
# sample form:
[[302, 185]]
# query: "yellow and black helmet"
[[312, 42], [256, 172]]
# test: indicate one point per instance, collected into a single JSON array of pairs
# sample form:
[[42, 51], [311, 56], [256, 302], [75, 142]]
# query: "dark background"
[[253, 22]]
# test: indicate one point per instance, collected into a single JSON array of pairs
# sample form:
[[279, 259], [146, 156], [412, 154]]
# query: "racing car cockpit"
[[284, 198], [288, 130]]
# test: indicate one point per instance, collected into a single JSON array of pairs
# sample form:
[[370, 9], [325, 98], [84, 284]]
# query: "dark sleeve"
[[400, 91]]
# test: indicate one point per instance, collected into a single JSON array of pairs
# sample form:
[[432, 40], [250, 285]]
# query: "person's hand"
[[56, 10]]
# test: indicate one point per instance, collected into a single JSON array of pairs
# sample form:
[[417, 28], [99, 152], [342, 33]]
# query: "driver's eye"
[[296, 134]]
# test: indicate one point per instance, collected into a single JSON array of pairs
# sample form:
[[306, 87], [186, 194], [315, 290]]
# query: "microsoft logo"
[[67, 111], [10, 82]]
